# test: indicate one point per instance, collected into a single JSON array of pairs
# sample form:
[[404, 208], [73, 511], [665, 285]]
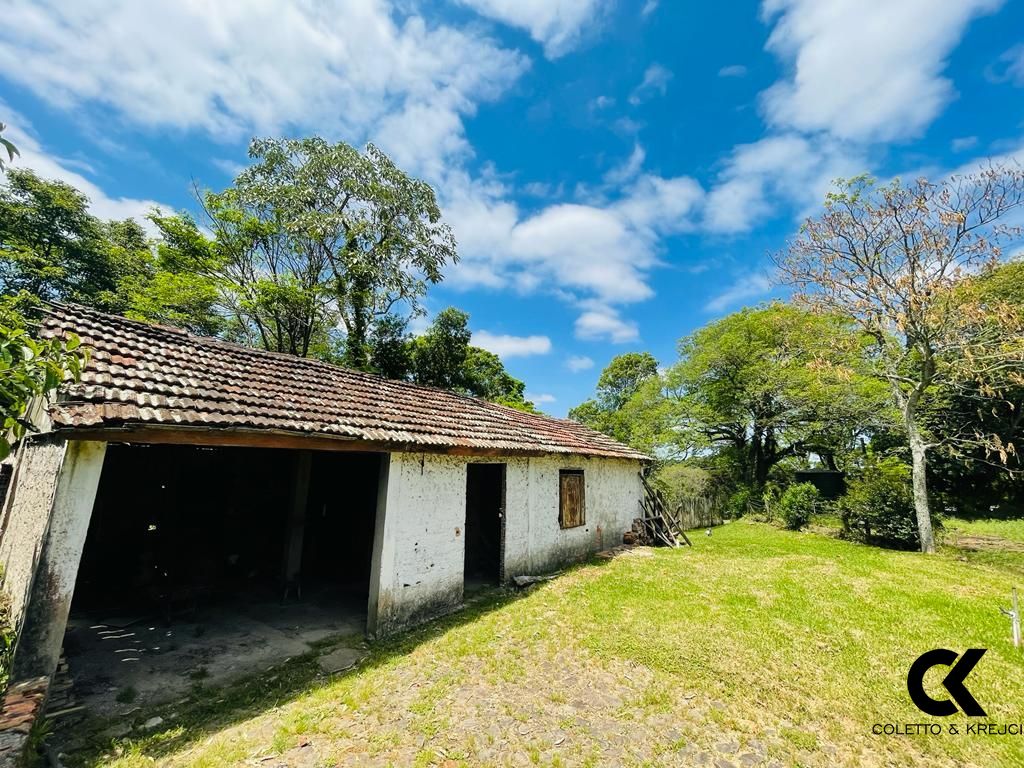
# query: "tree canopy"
[[892, 258]]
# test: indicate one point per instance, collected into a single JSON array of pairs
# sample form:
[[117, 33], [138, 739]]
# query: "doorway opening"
[[211, 562], [485, 524]]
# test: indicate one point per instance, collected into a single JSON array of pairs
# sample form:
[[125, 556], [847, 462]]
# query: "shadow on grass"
[[208, 709]]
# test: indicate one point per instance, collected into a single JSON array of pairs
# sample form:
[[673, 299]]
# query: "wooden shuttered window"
[[572, 503]]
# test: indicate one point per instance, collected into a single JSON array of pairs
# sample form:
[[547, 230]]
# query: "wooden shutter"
[[571, 498]]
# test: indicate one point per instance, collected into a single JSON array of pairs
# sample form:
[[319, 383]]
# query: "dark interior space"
[[485, 509], [206, 563], [175, 527]]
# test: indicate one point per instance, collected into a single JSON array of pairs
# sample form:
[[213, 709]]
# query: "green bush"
[[739, 502], [878, 507], [797, 504]]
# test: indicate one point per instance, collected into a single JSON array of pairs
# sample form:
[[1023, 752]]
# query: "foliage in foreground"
[[29, 368]]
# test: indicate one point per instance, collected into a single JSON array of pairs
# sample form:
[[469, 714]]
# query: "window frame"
[[564, 522]]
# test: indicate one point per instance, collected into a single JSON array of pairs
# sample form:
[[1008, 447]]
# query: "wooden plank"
[[256, 438], [571, 499]]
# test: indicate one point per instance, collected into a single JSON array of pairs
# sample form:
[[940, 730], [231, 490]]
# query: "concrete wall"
[[46, 519], [534, 542], [419, 549]]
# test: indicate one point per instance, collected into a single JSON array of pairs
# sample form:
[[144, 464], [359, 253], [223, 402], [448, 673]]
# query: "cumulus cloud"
[[556, 24], [743, 289], [655, 83], [788, 168], [350, 68], [505, 346], [603, 323], [577, 363], [864, 69], [603, 249]]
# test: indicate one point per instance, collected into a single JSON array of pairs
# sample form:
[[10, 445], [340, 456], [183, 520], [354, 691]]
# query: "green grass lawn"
[[757, 647]]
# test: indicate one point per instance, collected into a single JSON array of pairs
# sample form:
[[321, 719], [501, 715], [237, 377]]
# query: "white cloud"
[[33, 155], [540, 399], [350, 68], [627, 169], [556, 24], [649, 7], [505, 346], [601, 250], [602, 102], [603, 323], [577, 363], [1009, 68], [864, 69], [655, 82], [964, 143], [746, 287], [788, 168], [733, 70]]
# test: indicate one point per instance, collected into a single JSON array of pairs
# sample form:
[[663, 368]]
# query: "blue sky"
[[615, 171]]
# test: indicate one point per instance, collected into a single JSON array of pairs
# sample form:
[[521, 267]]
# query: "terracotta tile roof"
[[143, 375]]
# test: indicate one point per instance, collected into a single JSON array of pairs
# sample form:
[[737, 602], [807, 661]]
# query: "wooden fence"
[[698, 512]]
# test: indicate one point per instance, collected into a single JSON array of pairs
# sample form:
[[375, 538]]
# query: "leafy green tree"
[[768, 384], [391, 348], [891, 258], [374, 231], [50, 245], [443, 357], [29, 368], [620, 381], [964, 471]]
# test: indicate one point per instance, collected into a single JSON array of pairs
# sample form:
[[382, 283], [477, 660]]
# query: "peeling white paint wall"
[[27, 516], [420, 545], [534, 542], [47, 521]]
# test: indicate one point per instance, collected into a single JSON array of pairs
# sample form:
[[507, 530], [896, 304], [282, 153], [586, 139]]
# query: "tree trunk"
[[919, 467]]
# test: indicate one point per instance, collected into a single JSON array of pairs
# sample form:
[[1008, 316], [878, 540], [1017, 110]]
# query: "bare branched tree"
[[895, 258]]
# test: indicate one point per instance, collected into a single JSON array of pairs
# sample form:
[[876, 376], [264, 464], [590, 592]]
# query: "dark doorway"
[[485, 523], [212, 562]]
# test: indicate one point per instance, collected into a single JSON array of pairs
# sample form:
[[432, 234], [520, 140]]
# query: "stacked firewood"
[[656, 526]]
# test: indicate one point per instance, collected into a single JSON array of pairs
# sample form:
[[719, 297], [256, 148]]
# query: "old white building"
[[185, 469]]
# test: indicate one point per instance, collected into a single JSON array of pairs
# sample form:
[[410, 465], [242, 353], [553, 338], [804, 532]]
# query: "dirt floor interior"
[[185, 572]]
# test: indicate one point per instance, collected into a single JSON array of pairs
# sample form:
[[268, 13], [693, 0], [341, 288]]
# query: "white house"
[[182, 468]]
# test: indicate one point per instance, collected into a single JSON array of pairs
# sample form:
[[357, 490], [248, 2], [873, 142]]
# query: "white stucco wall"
[[420, 545]]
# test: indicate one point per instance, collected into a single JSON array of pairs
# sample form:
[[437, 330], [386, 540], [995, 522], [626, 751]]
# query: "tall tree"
[[891, 257], [768, 384], [50, 245], [443, 357], [619, 382], [355, 217]]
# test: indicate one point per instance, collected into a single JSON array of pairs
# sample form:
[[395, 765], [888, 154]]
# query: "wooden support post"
[[295, 537]]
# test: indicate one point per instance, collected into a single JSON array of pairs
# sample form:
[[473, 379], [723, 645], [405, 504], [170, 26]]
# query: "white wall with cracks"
[[420, 548]]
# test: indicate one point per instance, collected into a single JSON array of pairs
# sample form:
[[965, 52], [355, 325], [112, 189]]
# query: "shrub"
[[797, 504], [878, 507], [739, 502]]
